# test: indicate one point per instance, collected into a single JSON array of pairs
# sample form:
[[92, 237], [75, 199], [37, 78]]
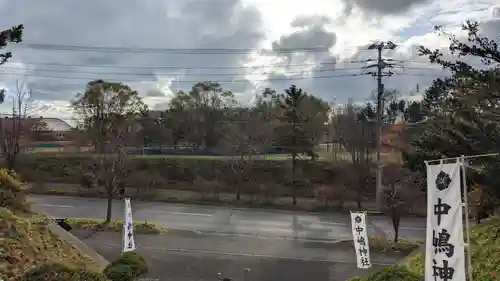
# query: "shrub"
[[119, 272], [395, 273], [135, 261], [60, 272], [127, 267]]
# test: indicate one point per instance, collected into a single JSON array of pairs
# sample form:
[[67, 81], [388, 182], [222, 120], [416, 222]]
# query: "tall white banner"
[[360, 238], [128, 228], [445, 254]]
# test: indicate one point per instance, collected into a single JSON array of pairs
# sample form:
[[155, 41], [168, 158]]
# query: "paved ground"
[[227, 221], [186, 256]]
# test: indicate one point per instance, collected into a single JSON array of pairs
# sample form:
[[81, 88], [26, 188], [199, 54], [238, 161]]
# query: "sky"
[[158, 47]]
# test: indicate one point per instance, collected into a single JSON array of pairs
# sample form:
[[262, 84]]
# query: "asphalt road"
[[221, 221], [189, 256]]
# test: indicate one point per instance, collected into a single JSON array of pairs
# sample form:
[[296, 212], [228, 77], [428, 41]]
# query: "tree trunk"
[[294, 163], [395, 225], [109, 208], [239, 176]]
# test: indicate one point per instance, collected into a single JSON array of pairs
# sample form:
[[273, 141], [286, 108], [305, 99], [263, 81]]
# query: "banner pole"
[[466, 207]]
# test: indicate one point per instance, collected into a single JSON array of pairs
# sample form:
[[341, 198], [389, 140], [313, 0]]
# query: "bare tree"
[[249, 133], [356, 134], [400, 189], [16, 128], [108, 172]]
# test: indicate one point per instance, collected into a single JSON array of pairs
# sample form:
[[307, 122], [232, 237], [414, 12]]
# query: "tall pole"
[[380, 92], [380, 65], [465, 205]]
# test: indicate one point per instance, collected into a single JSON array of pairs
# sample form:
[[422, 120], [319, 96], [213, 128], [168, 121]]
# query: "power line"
[[173, 74], [186, 67], [180, 51], [194, 74], [201, 67], [186, 81]]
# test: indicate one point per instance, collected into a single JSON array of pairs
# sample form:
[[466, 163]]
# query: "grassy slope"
[[25, 238], [485, 241]]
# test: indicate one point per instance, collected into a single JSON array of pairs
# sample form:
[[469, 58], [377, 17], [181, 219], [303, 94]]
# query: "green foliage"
[[127, 267], [135, 261], [106, 109], [119, 272], [292, 132], [381, 244], [13, 35], [395, 273], [462, 118], [116, 226], [60, 272]]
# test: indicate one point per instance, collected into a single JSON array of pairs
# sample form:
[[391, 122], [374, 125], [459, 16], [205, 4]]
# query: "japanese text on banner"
[[445, 258], [360, 238], [128, 228]]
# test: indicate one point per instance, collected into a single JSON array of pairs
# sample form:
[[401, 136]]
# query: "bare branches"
[[16, 128]]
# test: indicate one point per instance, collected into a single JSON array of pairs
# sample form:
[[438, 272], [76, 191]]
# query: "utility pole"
[[380, 65]]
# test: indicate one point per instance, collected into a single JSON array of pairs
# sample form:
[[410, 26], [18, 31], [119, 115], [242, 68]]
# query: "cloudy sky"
[[161, 46]]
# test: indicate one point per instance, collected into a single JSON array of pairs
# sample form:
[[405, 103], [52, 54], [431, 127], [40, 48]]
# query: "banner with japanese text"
[[360, 238], [128, 228], [445, 253]]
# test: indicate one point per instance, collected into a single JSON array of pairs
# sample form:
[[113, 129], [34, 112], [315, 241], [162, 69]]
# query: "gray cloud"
[[382, 7], [311, 34], [129, 23]]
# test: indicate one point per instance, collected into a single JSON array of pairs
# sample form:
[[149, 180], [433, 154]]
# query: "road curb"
[[82, 247]]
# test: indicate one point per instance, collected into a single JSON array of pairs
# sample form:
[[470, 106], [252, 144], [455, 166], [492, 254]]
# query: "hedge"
[[60, 272], [172, 171], [127, 267]]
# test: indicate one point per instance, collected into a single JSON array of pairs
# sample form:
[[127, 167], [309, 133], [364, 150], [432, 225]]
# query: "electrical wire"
[[203, 67], [173, 74], [185, 67], [184, 81], [179, 51]]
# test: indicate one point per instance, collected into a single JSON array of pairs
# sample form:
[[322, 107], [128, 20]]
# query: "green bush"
[[127, 267], [395, 273], [119, 272], [60, 272], [135, 261]]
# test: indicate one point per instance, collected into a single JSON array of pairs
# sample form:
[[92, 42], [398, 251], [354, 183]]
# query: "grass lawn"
[[323, 155]]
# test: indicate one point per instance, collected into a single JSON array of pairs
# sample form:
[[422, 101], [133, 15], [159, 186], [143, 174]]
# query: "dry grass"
[[25, 238], [114, 225], [27, 242]]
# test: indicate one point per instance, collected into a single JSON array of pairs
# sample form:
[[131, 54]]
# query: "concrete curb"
[[82, 247], [419, 250]]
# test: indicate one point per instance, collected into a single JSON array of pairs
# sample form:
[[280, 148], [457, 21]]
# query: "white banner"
[[445, 254], [360, 238], [128, 228]]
